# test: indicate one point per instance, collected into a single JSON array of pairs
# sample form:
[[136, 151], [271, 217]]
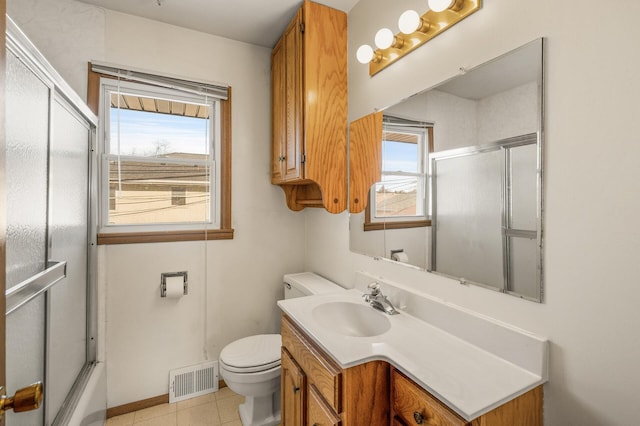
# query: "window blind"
[[215, 90], [391, 120]]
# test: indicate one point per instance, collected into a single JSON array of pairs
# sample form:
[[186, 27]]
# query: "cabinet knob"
[[282, 158], [418, 417], [295, 389]]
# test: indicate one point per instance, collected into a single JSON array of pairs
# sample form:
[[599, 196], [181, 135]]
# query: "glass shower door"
[[50, 299], [27, 136], [67, 301]]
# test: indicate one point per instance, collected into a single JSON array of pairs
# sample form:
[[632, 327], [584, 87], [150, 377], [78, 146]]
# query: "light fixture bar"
[[438, 23]]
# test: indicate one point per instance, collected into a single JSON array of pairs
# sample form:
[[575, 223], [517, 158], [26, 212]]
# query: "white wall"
[[147, 336], [592, 241], [507, 114], [235, 284], [67, 32], [414, 241]]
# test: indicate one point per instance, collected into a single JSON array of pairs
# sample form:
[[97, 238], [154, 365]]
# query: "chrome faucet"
[[379, 300]]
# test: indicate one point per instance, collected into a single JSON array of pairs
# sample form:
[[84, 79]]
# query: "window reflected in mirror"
[[400, 197]]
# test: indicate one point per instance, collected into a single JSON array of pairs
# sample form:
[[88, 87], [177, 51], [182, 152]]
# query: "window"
[[164, 157], [112, 198], [399, 200], [179, 196]]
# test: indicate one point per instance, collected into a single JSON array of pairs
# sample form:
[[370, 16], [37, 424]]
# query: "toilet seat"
[[252, 354]]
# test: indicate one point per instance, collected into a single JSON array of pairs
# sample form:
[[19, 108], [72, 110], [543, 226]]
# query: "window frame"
[[107, 155], [172, 233], [373, 223]]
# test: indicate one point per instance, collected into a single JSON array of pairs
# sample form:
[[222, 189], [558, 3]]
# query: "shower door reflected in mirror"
[[484, 215], [483, 201]]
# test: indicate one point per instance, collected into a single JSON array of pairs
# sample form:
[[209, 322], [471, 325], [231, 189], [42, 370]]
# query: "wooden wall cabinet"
[[365, 159], [309, 109]]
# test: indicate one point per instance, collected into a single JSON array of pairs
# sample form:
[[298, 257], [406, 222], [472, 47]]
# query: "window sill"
[[164, 236], [380, 226]]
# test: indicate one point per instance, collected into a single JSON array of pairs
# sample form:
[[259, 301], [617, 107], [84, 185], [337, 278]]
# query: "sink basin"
[[351, 319]]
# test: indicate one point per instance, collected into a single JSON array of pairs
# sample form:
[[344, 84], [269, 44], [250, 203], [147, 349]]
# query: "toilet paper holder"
[[163, 281], [395, 251]]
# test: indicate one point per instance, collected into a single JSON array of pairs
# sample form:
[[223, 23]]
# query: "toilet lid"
[[252, 354]]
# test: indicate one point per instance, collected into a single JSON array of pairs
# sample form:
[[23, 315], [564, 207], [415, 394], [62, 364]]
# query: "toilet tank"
[[306, 284]]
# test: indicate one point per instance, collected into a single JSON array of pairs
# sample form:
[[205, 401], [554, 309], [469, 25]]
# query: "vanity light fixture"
[[415, 30], [366, 54], [410, 22], [440, 5], [385, 39]]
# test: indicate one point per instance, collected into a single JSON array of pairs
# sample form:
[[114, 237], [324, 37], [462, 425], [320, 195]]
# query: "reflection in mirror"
[[400, 195], [459, 178]]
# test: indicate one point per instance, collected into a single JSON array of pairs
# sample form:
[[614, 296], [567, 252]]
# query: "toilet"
[[251, 366]]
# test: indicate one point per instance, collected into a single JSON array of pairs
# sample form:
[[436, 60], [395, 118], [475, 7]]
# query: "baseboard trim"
[[145, 403], [137, 405]]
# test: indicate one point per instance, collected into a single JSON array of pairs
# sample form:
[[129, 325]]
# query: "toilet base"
[[260, 410]]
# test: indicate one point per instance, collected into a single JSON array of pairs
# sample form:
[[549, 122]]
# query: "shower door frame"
[[3, 221]]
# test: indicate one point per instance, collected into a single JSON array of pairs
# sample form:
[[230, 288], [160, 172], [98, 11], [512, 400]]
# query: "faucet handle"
[[375, 288]]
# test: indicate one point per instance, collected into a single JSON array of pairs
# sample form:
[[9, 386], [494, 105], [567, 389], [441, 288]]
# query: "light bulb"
[[440, 5], [384, 38], [364, 54], [409, 22]]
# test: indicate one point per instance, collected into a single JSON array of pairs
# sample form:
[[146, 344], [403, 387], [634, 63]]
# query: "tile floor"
[[214, 409]]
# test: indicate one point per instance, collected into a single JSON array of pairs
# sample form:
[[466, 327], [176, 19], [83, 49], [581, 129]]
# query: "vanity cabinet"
[[309, 109], [293, 389], [330, 395], [319, 414], [317, 392], [412, 405]]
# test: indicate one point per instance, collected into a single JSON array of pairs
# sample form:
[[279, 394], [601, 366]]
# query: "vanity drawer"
[[318, 411], [320, 370], [412, 405]]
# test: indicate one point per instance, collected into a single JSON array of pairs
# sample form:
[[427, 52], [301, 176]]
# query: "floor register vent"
[[192, 381]]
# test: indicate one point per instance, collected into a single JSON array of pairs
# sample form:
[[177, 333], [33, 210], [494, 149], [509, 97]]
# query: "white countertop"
[[470, 380]]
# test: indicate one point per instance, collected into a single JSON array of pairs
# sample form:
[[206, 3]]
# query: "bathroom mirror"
[[458, 172]]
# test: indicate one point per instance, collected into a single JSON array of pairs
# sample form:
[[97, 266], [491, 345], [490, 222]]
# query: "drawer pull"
[[418, 417]]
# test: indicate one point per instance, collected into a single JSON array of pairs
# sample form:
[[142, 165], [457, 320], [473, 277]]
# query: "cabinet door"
[[292, 168], [278, 111], [319, 414], [414, 406], [365, 159], [293, 388]]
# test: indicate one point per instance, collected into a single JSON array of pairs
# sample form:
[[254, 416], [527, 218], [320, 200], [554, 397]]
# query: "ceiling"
[[257, 22], [505, 72]]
